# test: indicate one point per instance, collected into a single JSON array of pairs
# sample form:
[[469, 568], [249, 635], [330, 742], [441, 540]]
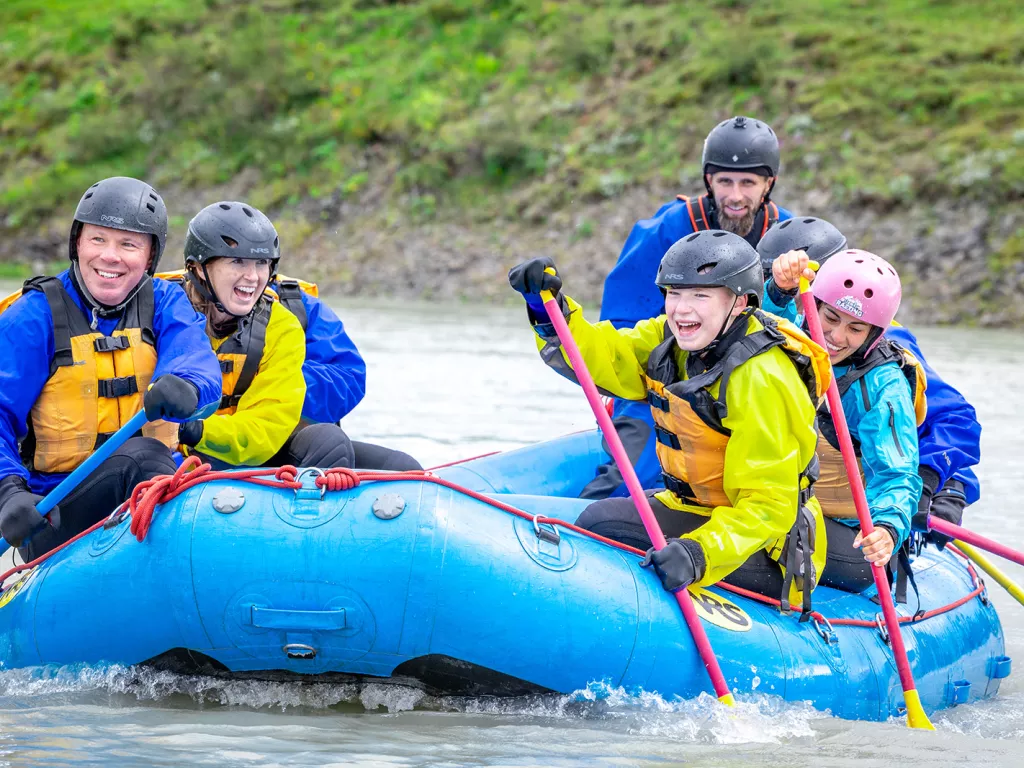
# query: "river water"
[[451, 381]]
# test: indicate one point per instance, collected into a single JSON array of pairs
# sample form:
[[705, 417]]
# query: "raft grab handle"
[[275, 618]]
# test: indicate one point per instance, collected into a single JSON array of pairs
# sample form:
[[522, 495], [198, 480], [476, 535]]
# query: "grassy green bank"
[[505, 114]]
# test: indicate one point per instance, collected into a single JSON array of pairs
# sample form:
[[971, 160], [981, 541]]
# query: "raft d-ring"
[[882, 629], [545, 534], [304, 488], [825, 629]]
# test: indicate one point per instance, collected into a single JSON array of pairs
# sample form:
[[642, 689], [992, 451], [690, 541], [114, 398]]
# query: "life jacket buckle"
[[111, 343], [667, 438], [657, 401]]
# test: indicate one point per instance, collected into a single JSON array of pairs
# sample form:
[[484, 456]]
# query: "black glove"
[[19, 518], [948, 504], [190, 432], [678, 564], [529, 278], [171, 397]]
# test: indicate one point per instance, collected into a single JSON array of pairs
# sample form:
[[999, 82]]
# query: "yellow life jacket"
[[240, 355], [692, 437], [96, 383], [833, 486]]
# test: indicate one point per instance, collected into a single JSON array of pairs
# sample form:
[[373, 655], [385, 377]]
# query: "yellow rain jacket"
[[254, 424], [771, 423]]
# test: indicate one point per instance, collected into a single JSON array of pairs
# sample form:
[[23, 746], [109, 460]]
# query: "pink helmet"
[[860, 284]]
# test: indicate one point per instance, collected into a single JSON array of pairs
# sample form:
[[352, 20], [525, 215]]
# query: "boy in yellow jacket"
[[733, 392]]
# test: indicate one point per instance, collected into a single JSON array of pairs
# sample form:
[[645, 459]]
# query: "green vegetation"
[[510, 105]]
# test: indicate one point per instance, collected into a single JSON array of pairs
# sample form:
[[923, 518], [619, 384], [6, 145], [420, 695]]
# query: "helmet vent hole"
[[880, 271], [276, 242], [848, 284], [87, 195], [231, 243], [153, 196], [720, 234], [868, 293], [693, 237], [808, 221], [785, 224], [151, 208], [225, 207], [858, 261], [704, 269], [247, 212]]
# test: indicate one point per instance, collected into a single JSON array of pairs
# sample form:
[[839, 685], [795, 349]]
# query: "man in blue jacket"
[[949, 440], [740, 164], [83, 352]]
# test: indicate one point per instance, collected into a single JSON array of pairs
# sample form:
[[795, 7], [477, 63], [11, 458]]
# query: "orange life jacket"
[[96, 382], [700, 210], [833, 486]]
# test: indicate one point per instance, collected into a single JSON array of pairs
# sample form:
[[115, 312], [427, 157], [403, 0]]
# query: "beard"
[[740, 226]]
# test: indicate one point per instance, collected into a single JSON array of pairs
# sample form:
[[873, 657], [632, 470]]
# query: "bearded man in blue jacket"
[[740, 165]]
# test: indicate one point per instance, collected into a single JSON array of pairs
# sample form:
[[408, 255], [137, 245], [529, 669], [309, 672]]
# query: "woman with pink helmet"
[[882, 388]]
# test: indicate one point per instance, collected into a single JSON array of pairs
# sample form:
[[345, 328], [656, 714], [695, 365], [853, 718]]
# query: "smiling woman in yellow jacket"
[[231, 254], [733, 392]]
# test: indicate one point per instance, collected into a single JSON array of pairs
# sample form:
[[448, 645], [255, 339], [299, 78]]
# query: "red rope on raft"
[[147, 496]]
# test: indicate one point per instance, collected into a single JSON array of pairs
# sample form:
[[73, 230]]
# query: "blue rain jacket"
[[26, 349], [334, 370], [950, 438], [630, 294], [888, 445]]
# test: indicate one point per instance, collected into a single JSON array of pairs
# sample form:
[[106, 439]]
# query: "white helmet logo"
[[851, 306], [735, 158]]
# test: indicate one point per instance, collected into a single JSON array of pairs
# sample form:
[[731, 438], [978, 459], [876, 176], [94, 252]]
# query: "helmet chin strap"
[[101, 310], [724, 328], [205, 288]]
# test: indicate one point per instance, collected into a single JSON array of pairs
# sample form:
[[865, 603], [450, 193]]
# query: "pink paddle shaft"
[[860, 501], [643, 506], [955, 531]]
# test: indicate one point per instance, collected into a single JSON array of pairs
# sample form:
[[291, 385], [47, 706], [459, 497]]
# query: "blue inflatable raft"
[[423, 582]]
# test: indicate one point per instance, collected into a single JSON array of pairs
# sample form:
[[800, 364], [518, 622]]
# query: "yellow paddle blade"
[[990, 568], [728, 700], [916, 718]]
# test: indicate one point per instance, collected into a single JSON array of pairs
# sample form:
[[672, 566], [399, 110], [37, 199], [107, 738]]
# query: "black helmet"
[[123, 203], [119, 202], [229, 230], [713, 258], [816, 237], [741, 144]]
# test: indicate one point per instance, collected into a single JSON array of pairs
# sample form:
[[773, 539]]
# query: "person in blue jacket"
[[950, 437], [83, 352], [882, 388], [335, 376], [740, 164]]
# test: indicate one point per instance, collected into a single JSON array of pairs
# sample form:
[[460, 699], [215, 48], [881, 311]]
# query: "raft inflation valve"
[[388, 506], [228, 500]]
